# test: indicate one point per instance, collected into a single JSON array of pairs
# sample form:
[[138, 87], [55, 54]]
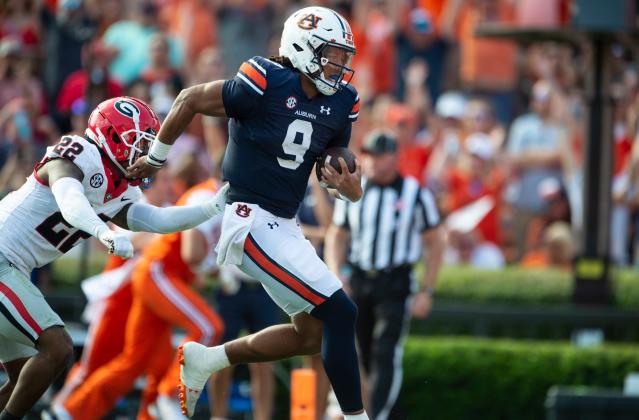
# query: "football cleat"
[[192, 376]]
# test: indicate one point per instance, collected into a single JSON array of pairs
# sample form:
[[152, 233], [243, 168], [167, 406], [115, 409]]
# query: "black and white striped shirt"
[[387, 222]]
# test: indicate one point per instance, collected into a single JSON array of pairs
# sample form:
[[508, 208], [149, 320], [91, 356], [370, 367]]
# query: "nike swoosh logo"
[[124, 199]]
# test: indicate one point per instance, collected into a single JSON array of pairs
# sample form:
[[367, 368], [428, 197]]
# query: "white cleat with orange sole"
[[193, 376]]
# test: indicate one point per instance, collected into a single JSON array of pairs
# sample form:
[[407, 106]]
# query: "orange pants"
[[160, 302], [105, 341]]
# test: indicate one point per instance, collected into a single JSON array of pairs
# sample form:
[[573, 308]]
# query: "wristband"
[[429, 291], [158, 153]]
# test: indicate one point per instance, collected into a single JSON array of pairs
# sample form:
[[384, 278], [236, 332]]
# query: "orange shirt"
[[485, 62], [464, 190], [434, 8], [193, 23], [413, 160], [113, 262], [166, 249]]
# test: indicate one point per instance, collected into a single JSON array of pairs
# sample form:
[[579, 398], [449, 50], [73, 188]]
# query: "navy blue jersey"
[[276, 133]]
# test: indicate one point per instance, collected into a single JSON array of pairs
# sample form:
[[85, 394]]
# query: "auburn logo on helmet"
[[128, 109], [309, 21]]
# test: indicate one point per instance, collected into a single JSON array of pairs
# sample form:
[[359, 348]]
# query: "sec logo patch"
[[96, 180], [291, 102]]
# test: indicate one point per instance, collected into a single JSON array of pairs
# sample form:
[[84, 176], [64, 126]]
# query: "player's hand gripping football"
[[117, 244], [141, 169], [348, 184]]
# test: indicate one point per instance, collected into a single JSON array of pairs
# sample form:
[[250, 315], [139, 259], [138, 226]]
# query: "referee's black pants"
[[383, 301]]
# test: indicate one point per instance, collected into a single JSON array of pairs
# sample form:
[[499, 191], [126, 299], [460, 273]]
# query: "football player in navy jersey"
[[283, 113]]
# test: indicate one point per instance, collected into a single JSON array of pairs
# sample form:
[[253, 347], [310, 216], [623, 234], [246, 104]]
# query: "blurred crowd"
[[495, 128]]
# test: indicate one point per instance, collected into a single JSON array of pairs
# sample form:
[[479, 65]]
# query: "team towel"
[[236, 224]]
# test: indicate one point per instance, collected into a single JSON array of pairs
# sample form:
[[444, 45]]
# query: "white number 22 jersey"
[[32, 229]]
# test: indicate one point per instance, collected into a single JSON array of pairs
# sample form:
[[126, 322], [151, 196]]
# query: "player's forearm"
[[203, 99], [352, 192], [435, 244], [335, 248], [179, 117], [147, 218]]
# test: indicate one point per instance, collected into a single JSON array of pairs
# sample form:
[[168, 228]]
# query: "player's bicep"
[[206, 98], [60, 168]]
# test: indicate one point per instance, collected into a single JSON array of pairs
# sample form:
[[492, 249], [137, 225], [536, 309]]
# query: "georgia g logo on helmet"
[[128, 109]]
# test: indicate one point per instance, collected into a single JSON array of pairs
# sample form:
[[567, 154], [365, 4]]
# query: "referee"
[[384, 234]]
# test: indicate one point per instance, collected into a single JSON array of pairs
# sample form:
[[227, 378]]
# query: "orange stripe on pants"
[[159, 303]]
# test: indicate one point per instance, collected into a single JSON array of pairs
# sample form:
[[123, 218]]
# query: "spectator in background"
[[131, 40], [28, 132], [78, 117], [468, 248], [422, 33], [416, 94], [479, 118], [65, 30], [18, 19], [533, 154], [91, 83], [16, 77], [448, 136], [139, 89], [487, 66], [211, 130], [193, 22], [108, 12], [414, 150], [244, 30], [374, 26], [557, 205], [164, 81], [476, 176], [557, 251]]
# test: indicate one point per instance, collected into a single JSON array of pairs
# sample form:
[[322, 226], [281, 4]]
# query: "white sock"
[[360, 416], [216, 359]]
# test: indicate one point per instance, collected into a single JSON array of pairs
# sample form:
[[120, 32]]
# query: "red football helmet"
[[124, 128]]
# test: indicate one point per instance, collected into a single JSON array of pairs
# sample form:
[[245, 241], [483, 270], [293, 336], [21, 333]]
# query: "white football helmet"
[[314, 40]]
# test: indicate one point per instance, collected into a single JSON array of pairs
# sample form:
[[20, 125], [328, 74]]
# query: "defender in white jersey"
[[78, 186]]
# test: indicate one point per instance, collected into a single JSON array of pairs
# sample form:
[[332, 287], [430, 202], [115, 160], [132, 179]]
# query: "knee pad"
[[337, 309]]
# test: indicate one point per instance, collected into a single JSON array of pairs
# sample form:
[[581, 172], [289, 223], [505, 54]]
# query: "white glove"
[[118, 244], [218, 204]]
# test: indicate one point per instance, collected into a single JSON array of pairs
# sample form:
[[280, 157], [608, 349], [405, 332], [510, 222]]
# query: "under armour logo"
[[326, 110], [243, 210], [272, 225]]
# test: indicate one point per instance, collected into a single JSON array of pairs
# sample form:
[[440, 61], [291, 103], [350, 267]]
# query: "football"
[[331, 156]]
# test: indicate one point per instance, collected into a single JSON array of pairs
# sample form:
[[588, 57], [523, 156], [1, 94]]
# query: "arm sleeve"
[[242, 94], [75, 208], [148, 218], [426, 212]]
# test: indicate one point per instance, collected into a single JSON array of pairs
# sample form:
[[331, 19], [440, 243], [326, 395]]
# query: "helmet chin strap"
[[134, 145], [104, 146]]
